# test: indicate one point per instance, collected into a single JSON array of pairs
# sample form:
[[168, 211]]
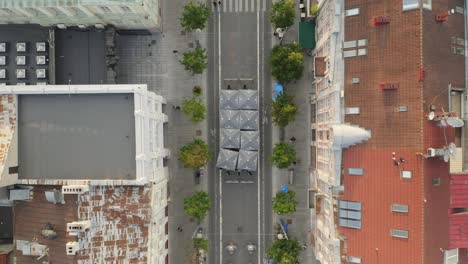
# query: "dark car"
[[197, 176]]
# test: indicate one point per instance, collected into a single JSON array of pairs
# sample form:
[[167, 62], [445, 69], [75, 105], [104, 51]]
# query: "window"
[[403, 108], [362, 42], [353, 260], [126, 9], [355, 80], [13, 170], [410, 4], [399, 208], [399, 233], [349, 44], [105, 9], [436, 181], [352, 12], [352, 110], [406, 175], [459, 10], [451, 256], [362, 52], [349, 214], [356, 171], [349, 53], [427, 4], [460, 51]]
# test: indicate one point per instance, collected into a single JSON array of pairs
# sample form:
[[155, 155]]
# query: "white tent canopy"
[[250, 140], [248, 99], [247, 160], [227, 159], [248, 120], [229, 99], [230, 138]]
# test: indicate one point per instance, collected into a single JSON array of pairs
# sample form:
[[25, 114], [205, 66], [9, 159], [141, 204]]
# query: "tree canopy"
[[282, 14], [194, 16], [287, 62], [283, 110], [283, 155], [201, 243], [195, 61], [194, 108], [195, 154], [197, 205], [285, 203], [284, 251]]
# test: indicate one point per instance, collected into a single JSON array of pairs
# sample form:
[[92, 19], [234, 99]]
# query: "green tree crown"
[[283, 110], [283, 155], [285, 203], [195, 61], [201, 243], [194, 108], [284, 251], [195, 154], [282, 14], [197, 205], [287, 62], [194, 16]]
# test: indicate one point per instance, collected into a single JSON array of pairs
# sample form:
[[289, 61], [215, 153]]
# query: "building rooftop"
[[119, 218], [79, 136]]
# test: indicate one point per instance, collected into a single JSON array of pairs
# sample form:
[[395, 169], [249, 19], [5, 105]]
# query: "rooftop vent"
[[76, 227], [75, 189], [72, 247]]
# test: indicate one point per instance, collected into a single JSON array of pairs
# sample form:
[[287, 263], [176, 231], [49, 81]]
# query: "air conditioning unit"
[[61, 26], [74, 228], [75, 189], [433, 152], [82, 26], [29, 248], [54, 196], [101, 26], [72, 248]]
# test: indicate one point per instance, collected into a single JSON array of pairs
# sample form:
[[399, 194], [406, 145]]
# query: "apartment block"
[[125, 15], [388, 130], [86, 161]]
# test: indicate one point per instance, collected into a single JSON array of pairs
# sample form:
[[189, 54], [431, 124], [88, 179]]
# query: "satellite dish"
[[455, 122], [431, 115], [443, 122]]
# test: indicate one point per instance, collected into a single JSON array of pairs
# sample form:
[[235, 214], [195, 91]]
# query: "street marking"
[[224, 5], [240, 5], [230, 5], [258, 8], [264, 5], [259, 172]]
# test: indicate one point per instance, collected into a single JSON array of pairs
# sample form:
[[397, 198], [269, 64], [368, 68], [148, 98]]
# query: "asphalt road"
[[239, 40]]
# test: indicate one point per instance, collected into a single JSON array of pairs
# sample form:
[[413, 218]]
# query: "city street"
[[239, 40]]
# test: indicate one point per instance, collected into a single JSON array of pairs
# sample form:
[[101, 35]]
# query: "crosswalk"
[[241, 6]]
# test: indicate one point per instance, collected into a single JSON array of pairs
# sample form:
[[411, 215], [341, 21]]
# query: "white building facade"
[[123, 14], [330, 133]]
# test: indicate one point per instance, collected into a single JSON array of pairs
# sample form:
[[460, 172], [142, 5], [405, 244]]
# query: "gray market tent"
[[248, 120], [229, 119], [230, 138], [248, 99], [229, 99], [227, 159], [247, 160], [250, 140]]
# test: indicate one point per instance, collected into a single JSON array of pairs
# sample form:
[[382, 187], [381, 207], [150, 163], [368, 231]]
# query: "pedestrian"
[[214, 2], [219, 2]]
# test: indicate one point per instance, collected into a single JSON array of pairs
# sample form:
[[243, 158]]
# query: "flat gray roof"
[[79, 136]]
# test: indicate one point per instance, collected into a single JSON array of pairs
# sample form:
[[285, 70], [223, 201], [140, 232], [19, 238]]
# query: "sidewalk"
[[154, 60], [300, 222]]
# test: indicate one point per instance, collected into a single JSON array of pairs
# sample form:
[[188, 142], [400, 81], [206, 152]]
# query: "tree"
[[197, 90], [200, 243], [287, 62], [195, 61], [194, 16], [282, 15], [283, 110], [197, 205], [314, 10], [284, 251], [195, 154], [283, 155], [194, 108], [285, 203]]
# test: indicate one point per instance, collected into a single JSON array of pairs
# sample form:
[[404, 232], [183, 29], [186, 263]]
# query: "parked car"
[[197, 175]]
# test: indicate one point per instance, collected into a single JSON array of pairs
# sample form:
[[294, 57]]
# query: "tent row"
[[238, 99], [239, 119], [233, 160]]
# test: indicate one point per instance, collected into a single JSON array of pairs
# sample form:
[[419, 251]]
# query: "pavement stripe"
[[240, 5], [237, 6], [230, 5], [252, 6], [224, 3], [258, 5], [264, 5]]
